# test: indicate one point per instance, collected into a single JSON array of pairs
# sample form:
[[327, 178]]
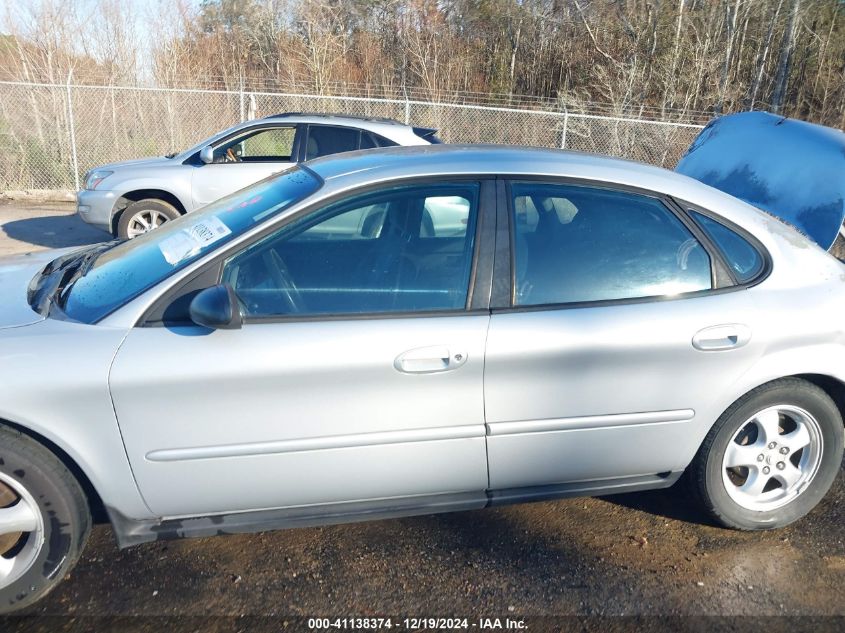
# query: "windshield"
[[131, 267]]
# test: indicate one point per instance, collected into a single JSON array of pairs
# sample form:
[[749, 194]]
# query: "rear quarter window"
[[370, 140], [744, 260]]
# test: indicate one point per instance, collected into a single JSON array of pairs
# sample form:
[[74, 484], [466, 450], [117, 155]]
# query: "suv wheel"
[[143, 216], [771, 457], [44, 520]]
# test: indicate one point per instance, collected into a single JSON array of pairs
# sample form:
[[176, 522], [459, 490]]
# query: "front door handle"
[[721, 337], [428, 360]]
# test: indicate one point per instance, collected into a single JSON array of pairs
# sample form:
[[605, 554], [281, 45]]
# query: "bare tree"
[[668, 56], [784, 63]]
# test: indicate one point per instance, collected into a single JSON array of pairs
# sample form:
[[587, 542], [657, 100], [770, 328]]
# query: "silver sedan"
[[416, 330], [132, 197]]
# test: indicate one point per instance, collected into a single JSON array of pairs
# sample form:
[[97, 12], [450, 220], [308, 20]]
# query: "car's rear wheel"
[[143, 216], [771, 457], [44, 520]]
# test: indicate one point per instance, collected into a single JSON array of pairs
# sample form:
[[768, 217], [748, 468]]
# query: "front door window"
[[406, 249], [268, 145]]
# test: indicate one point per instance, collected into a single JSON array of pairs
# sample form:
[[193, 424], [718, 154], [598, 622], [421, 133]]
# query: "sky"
[[12, 11], [141, 9]]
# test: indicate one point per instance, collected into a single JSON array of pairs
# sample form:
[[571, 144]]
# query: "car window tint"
[[327, 139], [261, 146], [745, 261], [369, 140], [526, 214], [445, 216], [361, 223], [406, 249], [576, 244]]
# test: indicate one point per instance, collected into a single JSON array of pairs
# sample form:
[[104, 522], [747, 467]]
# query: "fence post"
[[72, 130], [241, 95], [565, 127], [407, 110]]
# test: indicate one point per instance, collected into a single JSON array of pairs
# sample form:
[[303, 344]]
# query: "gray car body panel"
[[196, 185], [562, 399], [18, 271], [73, 411], [563, 362], [243, 400]]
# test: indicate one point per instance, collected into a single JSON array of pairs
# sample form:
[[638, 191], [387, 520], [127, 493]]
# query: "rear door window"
[[577, 244], [324, 140]]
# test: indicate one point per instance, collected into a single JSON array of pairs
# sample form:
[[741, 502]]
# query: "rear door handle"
[[721, 337], [428, 360]]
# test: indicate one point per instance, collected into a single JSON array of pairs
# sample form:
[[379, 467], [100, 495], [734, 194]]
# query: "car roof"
[[334, 117], [409, 161], [353, 169], [361, 122]]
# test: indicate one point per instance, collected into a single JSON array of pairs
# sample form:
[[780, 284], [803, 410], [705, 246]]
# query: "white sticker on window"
[[208, 231], [190, 241]]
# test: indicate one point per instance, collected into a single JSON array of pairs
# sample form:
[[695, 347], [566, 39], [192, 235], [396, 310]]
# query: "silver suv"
[[136, 196]]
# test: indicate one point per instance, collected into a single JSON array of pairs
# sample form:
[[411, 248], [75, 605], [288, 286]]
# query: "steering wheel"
[[288, 292]]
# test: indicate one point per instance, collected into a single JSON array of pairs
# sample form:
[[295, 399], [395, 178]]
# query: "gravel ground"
[[647, 554]]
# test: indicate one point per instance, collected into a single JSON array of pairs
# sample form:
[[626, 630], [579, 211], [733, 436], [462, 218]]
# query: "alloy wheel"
[[145, 221], [772, 458], [21, 530]]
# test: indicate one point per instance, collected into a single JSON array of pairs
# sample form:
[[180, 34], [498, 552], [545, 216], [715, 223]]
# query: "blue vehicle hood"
[[792, 169]]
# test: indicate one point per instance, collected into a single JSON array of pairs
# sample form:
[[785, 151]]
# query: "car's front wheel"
[[143, 216], [771, 457], [44, 520]]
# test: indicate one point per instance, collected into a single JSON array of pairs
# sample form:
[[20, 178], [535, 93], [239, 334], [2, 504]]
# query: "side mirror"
[[207, 154], [217, 308]]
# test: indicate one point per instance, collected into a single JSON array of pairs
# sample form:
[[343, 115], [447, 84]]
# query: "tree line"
[[667, 58]]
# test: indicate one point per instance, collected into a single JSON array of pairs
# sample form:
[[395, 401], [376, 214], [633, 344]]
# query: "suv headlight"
[[95, 177]]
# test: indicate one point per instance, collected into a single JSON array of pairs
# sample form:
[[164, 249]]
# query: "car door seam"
[[117, 421]]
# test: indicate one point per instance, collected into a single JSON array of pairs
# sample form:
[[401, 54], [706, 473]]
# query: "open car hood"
[[792, 169]]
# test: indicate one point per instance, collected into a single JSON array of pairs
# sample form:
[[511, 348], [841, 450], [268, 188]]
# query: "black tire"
[[64, 512], [141, 207], [706, 470]]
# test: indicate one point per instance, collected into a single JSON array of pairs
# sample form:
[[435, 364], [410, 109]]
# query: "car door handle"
[[721, 337], [427, 360]]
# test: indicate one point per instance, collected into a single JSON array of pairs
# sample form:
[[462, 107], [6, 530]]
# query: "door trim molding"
[[588, 422], [276, 447]]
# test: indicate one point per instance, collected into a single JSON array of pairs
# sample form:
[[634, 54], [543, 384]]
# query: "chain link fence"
[[51, 134]]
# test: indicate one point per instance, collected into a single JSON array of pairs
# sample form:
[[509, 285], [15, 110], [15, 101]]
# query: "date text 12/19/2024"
[[417, 624]]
